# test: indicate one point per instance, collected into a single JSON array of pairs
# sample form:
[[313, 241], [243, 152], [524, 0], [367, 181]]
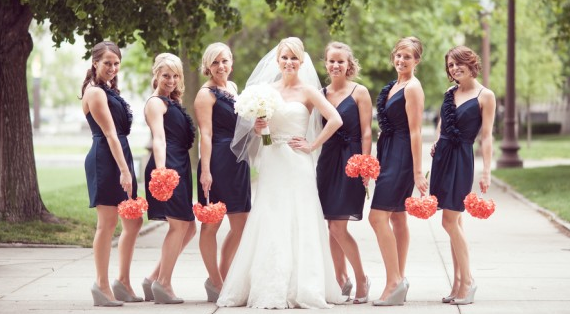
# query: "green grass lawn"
[[64, 192], [547, 186], [541, 147], [76, 150]]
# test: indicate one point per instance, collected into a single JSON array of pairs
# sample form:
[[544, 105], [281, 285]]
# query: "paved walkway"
[[520, 260]]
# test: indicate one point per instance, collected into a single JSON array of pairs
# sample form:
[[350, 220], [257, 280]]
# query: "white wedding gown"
[[284, 259]]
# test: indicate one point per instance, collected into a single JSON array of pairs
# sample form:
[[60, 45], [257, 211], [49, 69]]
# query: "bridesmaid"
[[172, 136], [110, 172], [222, 178], [342, 198], [399, 150], [467, 108]]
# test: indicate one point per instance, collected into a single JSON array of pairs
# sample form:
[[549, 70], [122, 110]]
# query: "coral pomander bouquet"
[[211, 213], [478, 207], [421, 207], [259, 101], [365, 166], [162, 183], [132, 208]]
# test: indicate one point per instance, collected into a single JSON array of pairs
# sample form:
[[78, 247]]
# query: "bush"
[[543, 128]]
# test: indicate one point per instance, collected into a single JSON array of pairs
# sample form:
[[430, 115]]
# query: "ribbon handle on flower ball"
[[422, 207], [478, 207]]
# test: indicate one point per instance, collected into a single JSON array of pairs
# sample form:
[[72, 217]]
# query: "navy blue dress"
[[452, 167], [179, 133], [342, 197], [396, 180], [231, 179], [103, 174]]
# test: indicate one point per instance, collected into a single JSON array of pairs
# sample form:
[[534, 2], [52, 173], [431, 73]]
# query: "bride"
[[284, 259]]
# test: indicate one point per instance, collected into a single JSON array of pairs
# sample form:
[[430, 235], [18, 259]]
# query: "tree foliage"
[[538, 74], [161, 25]]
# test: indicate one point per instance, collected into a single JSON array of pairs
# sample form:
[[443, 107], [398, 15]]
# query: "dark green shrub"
[[543, 128]]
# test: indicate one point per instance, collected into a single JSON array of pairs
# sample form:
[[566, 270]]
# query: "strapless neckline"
[[287, 103]]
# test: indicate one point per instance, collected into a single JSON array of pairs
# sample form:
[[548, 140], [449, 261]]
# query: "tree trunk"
[[192, 85], [528, 124], [19, 193], [566, 119]]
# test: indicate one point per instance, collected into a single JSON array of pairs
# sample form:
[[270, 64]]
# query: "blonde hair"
[[175, 65], [295, 45], [353, 65], [210, 54], [408, 42]]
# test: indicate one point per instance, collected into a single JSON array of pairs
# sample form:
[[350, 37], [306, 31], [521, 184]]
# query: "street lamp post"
[[488, 6], [37, 76], [509, 146]]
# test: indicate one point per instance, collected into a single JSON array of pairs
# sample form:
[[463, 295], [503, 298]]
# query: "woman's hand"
[[260, 123], [206, 181], [300, 143], [432, 151], [126, 181], [421, 183], [485, 182]]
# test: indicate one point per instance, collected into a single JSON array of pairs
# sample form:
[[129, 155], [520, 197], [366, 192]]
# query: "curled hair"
[[295, 45], [173, 63], [96, 54], [211, 53], [353, 65], [463, 55], [408, 42]]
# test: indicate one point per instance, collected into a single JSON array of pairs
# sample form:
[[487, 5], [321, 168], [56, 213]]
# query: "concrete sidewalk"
[[520, 260]]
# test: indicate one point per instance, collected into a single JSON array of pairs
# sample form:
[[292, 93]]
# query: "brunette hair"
[[96, 54], [408, 42], [463, 55]]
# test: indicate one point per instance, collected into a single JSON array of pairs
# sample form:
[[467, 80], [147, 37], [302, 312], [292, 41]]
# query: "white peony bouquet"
[[259, 101]]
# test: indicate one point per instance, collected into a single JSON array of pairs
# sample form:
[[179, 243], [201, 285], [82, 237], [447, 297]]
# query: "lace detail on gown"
[[284, 259]]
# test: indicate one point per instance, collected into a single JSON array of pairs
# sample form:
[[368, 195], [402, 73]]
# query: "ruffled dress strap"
[[222, 94], [449, 116], [191, 128], [382, 115], [126, 107]]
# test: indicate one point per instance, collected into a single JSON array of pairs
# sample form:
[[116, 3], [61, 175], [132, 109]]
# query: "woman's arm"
[[437, 133], [328, 111], [414, 109], [364, 102], [97, 102], [154, 114], [488, 106], [203, 107]]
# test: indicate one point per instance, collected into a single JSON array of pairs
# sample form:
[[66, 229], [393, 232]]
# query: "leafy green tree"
[[537, 63], [558, 13], [163, 25]]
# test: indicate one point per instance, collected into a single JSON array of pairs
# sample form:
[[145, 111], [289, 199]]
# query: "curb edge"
[[552, 217]]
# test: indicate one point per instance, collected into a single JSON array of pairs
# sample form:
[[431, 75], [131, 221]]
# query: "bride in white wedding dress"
[[284, 259]]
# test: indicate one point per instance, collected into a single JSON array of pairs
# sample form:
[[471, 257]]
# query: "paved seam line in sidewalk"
[[439, 249]]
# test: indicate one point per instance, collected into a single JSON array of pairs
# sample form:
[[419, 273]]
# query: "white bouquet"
[[259, 101]]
